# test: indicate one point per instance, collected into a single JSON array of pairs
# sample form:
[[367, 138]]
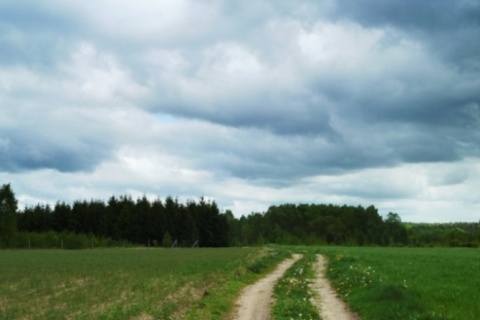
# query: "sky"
[[248, 103]]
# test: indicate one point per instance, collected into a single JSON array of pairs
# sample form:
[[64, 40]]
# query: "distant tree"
[[158, 220], [126, 223], [234, 228], [185, 224], [171, 208], [253, 229], [167, 240], [113, 214], [41, 218], [8, 210], [206, 215], [81, 223], [143, 219], [61, 220], [396, 231]]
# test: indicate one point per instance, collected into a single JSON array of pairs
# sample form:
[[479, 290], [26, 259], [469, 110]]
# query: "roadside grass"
[[128, 283], [218, 303], [292, 294], [407, 283]]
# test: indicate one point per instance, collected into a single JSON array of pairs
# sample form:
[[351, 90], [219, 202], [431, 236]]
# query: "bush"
[[58, 240]]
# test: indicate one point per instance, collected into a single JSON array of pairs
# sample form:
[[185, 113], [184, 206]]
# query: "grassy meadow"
[[378, 283], [127, 283], [407, 283]]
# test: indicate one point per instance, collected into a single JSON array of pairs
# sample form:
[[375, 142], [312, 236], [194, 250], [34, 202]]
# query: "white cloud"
[[93, 76], [250, 104], [340, 45], [147, 20]]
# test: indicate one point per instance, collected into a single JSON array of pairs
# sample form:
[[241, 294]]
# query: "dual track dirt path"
[[329, 305], [256, 300]]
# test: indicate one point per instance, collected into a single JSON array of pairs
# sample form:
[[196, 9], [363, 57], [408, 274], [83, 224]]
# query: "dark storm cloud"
[[236, 77], [407, 14], [262, 101], [24, 151], [449, 27], [282, 115], [268, 158]]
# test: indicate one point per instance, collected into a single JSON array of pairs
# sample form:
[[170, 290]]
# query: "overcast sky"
[[250, 103]]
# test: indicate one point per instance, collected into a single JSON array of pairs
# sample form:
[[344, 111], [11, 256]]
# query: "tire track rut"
[[327, 302], [255, 301]]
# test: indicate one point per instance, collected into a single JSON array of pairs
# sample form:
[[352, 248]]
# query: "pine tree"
[[8, 210]]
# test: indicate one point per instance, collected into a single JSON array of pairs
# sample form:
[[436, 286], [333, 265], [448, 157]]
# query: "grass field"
[[378, 283], [408, 283], [127, 283]]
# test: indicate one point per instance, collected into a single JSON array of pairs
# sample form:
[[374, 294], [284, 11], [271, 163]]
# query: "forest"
[[124, 220]]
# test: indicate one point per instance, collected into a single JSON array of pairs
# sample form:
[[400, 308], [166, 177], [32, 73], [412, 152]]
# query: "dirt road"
[[256, 299], [329, 305]]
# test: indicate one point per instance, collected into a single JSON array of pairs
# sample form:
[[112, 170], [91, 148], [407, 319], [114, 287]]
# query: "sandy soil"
[[255, 300], [329, 305]]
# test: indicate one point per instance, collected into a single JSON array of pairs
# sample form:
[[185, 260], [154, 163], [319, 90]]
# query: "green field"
[[127, 283], [408, 283], [378, 283]]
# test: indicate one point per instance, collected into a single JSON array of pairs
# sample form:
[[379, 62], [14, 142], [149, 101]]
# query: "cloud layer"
[[353, 102]]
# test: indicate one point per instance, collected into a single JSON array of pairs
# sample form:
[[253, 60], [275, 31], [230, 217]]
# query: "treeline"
[[166, 222], [123, 221], [138, 221], [454, 234], [319, 224]]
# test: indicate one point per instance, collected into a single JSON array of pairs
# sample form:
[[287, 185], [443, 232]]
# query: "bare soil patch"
[[255, 301], [329, 305]]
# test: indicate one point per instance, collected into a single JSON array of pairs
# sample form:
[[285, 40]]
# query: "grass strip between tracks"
[[292, 293]]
